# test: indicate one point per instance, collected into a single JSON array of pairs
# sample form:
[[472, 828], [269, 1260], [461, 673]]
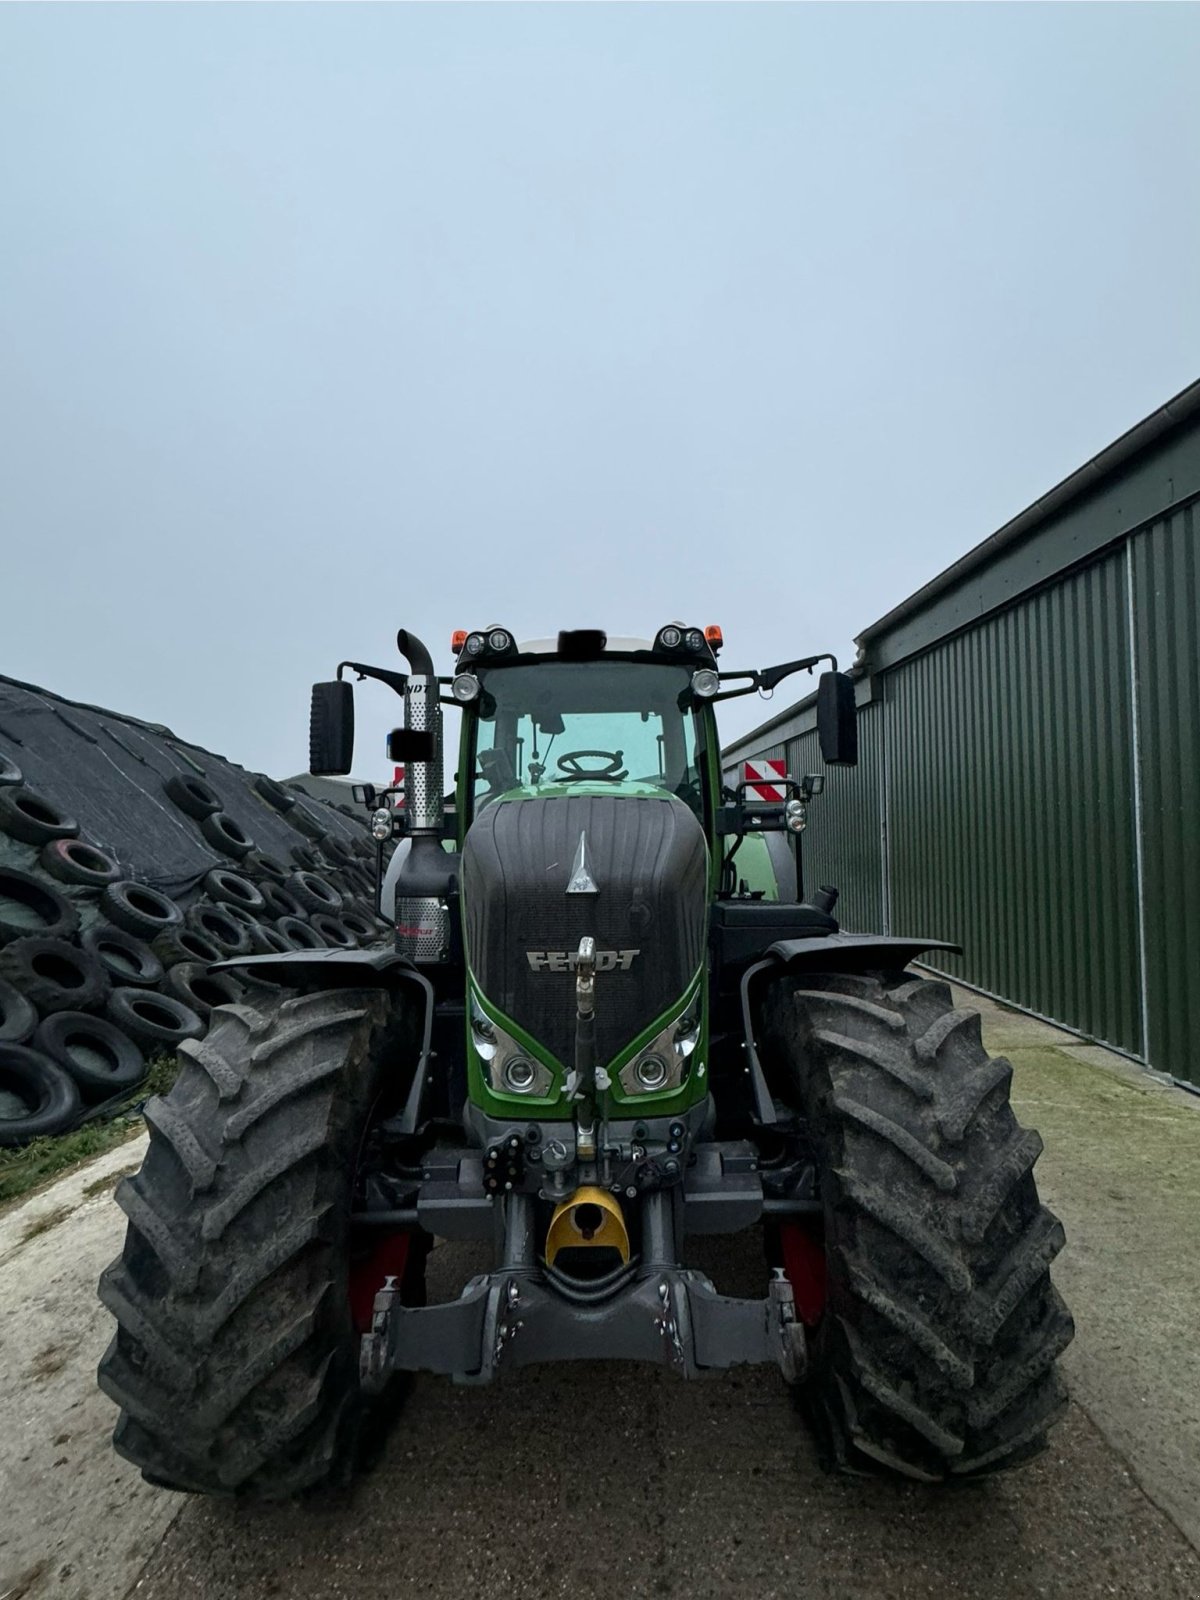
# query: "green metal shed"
[[1029, 777]]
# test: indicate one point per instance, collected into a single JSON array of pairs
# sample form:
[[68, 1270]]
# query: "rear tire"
[[936, 1353], [235, 1360]]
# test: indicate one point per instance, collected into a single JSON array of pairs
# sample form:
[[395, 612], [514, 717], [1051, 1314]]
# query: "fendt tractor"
[[610, 1021]]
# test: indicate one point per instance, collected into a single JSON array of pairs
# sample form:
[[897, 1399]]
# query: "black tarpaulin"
[[108, 771]]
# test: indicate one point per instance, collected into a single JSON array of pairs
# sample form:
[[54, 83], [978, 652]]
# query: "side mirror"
[[410, 744], [837, 720], [331, 729]]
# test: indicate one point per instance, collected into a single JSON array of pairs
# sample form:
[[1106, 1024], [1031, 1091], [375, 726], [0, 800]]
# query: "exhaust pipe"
[[423, 881]]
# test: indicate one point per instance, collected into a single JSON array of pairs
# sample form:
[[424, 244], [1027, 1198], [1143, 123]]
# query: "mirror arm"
[[394, 680], [769, 677], [733, 694]]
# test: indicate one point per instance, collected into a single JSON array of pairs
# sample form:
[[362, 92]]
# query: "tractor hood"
[[540, 873]]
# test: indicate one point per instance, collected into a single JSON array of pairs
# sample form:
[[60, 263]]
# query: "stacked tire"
[[101, 972], [59, 1052]]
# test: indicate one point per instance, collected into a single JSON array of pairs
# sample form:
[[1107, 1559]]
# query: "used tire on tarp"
[[274, 793], [267, 941], [102, 1059], [224, 833], [76, 862], [139, 909], [337, 851], [126, 960], [300, 935], [224, 887], [18, 1016], [215, 923], [258, 865], [36, 1096], [197, 987], [30, 905], [158, 1022], [280, 902], [307, 822], [362, 927], [247, 919], [32, 818], [54, 975], [334, 932], [185, 944], [192, 795], [314, 892]]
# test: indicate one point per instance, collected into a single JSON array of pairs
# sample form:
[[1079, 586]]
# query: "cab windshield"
[[605, 722]]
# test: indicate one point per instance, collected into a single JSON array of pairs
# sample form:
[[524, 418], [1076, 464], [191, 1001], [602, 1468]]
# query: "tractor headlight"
[[474, 645], [519, 1074], [695, 640], [664, 1063], [507, 1065], [381, 824], [465, 687], [795, 814], [651, 1072], [687, 1036], [705, 683], [499, 640], [670, 637], [483, 1036]]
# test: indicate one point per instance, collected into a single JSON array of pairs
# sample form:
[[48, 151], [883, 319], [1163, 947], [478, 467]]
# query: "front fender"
[[855, 952], [328, 969]]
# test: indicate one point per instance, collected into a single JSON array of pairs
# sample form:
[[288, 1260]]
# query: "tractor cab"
[[588, 812]]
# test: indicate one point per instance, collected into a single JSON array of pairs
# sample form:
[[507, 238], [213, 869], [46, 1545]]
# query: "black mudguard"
[[379, 968], [833, 952], [328, 969], [855, 952]]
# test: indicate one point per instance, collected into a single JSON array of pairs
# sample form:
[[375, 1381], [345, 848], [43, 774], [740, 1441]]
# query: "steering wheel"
[[611, 772]]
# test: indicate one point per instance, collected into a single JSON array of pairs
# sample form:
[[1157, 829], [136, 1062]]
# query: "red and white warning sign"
[[398, 785], [765, 779]]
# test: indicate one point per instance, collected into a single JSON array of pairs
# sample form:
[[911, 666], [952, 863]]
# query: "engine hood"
[[539, 873]]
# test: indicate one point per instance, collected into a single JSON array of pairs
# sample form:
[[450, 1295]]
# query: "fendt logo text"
[[566, 960]]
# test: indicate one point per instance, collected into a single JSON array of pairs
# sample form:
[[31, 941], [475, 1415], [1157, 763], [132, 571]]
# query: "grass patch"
[[106, 1185], [30, 1166], [48, 1220], [48, 1361]]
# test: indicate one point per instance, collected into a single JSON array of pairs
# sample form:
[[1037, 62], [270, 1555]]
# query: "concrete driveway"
[[616, 1480]]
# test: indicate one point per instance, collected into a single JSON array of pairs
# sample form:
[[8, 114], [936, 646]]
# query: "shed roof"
[[1133, 481]]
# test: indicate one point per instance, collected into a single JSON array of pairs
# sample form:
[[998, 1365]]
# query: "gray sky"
[[317, 321]]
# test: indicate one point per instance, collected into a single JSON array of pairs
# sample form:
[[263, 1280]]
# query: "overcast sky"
[[319, 321]]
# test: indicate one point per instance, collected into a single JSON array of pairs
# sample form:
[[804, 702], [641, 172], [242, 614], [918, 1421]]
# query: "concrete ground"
[[618, 1480]]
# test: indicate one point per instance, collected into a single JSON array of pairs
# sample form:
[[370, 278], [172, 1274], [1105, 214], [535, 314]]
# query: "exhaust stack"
[[423, 881]]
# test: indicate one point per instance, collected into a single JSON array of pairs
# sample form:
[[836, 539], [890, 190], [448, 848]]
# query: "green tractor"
[[610, 1021]]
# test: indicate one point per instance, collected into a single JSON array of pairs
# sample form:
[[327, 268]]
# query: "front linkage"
[[648, 1308], [654, 1311]]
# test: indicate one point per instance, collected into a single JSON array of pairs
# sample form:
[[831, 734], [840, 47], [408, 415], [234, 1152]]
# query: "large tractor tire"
[[235, 1360], [935, 1352]]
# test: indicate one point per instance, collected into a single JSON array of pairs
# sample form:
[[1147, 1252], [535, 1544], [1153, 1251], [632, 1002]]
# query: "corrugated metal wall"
[[1029, 786], [1165, 584], [1010, 803], [843, 843]]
